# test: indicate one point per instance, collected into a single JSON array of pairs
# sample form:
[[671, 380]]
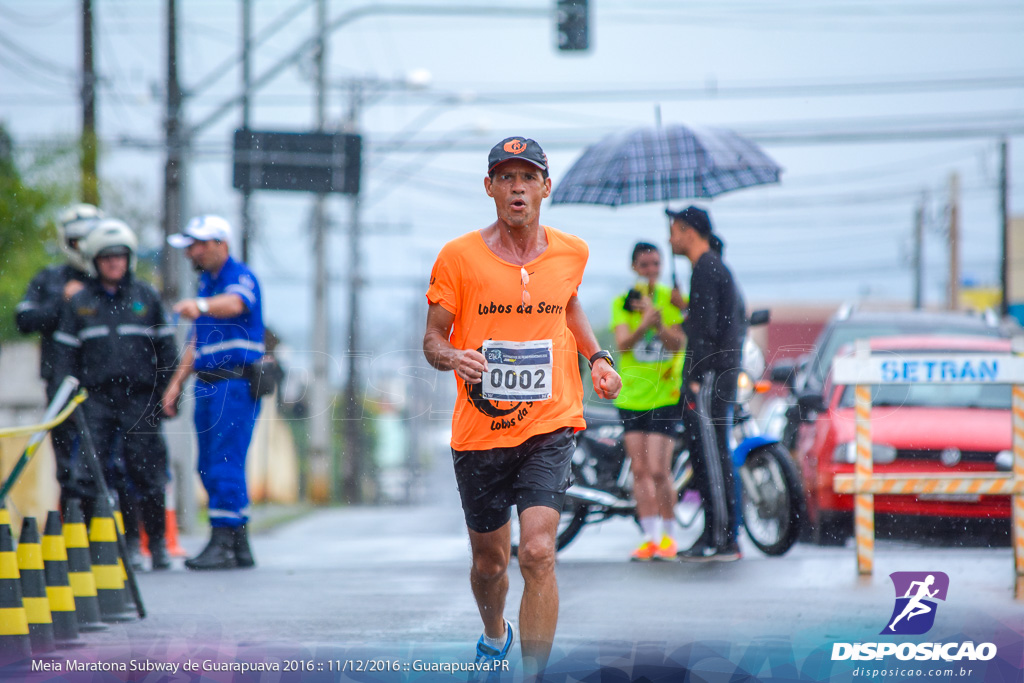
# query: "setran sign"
[[947, 368], [298, 162]]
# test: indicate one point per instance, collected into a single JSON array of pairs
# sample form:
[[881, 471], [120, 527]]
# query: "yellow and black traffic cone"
[[83, 583], [33, 587], [58, 588], [105, 557], [120, 521], [15, 644]]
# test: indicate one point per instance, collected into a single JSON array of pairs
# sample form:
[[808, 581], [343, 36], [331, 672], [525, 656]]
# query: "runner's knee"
[[537, 555], [489, 566]]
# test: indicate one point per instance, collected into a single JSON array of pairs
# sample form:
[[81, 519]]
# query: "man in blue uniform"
[[227, 339], [39, 311]]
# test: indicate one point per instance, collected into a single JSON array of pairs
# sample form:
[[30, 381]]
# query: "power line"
[[42, 65]]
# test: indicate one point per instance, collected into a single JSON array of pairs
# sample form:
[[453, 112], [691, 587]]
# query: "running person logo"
[[916, 595]]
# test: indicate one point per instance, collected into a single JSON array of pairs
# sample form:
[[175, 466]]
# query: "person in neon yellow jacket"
[[650, 341]]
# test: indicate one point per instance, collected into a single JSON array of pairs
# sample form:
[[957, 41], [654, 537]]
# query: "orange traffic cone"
[[174, 548], [15, 644], [58, 588], [33, 588]]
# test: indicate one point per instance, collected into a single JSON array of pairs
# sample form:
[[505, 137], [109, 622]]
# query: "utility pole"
[[87, 162], [1004, 223], [172, 218], [919, 253], [954, 242], [321, 481], [246, 227], [355, 456]]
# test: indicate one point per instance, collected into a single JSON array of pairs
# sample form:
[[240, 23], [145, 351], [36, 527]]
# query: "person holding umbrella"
[[715, 327], [650, 340]]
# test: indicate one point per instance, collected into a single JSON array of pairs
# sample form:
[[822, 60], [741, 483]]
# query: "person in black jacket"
[[39, 311], [115, 338], [715, 327]]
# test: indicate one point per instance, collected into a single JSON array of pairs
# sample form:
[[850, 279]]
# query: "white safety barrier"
[[864, 370]]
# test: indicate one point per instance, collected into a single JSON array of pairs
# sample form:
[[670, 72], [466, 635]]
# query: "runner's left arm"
[[607, 382]]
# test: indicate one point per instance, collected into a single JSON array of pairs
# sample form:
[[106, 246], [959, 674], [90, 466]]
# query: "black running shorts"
[[536, 472], [661, 420]]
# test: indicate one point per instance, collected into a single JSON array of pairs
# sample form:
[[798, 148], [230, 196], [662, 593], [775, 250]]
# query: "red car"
[[915, 428]]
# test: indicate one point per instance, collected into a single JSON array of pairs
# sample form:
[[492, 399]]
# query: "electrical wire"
[[26, 20], [43, 66]]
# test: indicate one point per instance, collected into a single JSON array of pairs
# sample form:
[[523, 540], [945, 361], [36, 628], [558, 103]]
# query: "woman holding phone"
[[650, 342]]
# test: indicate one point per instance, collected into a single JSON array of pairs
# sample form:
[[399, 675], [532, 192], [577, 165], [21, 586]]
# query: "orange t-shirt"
[[485, 295]]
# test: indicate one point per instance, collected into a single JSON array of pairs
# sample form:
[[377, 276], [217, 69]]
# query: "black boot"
[[154, 519], [219, 553], [158, 557], [243, 554], [134, 552]]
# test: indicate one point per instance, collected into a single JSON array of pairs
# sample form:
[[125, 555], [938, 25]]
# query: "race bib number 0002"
[[517, 371]]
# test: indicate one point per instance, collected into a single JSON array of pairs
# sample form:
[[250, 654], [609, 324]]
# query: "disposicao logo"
[[913, 615], [916, 595]]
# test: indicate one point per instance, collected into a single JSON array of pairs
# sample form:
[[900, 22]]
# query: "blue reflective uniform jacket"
[[230, 342]]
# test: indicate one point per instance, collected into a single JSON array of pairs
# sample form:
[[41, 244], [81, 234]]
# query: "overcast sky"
[[838, 227]]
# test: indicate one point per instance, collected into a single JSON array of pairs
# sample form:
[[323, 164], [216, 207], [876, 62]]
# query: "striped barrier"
[[987, 484], [863, 371]]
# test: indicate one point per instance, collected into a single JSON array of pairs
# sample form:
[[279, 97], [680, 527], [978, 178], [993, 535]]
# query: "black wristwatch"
[[602, 354]]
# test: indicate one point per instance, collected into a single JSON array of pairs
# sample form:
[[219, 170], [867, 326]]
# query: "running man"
[[915, 606], [504, 316]]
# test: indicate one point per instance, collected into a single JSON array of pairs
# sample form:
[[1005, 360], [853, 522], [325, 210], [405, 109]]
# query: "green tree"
[[25, 231]]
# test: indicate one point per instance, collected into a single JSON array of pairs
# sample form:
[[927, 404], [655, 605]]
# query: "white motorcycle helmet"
[[109, 236], [76, 223]]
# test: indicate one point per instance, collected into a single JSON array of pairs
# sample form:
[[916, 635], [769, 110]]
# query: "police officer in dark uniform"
[[115, 338], [39, 311], [715, 327]]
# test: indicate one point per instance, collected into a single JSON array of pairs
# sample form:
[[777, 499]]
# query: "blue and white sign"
[[946, 368]]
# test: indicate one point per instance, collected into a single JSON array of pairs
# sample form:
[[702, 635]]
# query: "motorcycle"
[[772, 502]]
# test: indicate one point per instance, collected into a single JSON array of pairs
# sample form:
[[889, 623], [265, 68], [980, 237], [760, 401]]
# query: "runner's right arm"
[[468, 364]]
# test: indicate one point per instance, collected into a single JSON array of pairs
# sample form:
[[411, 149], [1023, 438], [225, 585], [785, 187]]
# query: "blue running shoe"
[[488, 654]]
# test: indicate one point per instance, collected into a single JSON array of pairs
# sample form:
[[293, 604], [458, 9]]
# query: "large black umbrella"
[[664, 163]]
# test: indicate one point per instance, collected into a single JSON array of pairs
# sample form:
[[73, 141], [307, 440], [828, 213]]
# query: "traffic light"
[[572, 19]]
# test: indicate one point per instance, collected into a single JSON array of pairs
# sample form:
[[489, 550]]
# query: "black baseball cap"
[[517, 147], [693, 216]]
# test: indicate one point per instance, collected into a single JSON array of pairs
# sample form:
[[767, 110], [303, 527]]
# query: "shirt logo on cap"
[[514, 146]]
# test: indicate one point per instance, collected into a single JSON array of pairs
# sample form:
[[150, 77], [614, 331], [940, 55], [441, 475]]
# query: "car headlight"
[[881, 454], [1004, 461], [744, 387]]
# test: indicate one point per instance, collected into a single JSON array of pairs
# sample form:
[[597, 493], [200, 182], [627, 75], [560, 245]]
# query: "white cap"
[[202, 229]]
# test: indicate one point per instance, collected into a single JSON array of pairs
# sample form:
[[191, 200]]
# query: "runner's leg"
[[538, 612], [488, 576]]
